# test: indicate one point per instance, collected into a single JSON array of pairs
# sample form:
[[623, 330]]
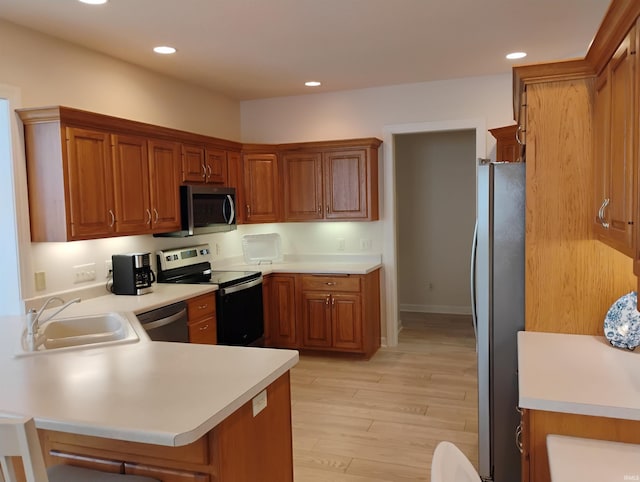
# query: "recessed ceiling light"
[[312, 83], [164, 49], [516, 55], [94, 2]]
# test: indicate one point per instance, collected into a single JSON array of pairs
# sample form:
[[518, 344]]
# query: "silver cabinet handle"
[[204, 171], [155, 212], [319, 208], [604, 204], [605, 224], [600, 214], [148, 217], [202, 328], [333, 301], [518, 131], [209, 171], [326, 302], [519, 445], [327, 209], [330, 283], [113, 218], [248, 210]]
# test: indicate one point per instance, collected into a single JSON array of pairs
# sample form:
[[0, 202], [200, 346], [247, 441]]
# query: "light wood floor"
[[379, 420]]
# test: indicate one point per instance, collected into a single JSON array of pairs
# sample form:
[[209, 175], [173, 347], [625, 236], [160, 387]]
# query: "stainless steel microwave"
[[205, 209]]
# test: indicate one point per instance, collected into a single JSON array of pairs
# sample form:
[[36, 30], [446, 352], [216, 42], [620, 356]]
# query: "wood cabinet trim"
[[82, 118]]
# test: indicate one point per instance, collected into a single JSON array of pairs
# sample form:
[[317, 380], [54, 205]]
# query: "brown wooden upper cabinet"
[[331, 182], [204, 164], [261, 188], [88, 182], [614, 155], [508, 149]]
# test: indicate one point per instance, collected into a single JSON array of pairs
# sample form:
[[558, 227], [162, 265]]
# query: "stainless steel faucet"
[[33, 317]]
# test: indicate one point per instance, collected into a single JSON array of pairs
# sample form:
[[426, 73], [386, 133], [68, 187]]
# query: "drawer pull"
[[203, 307], [330, 283], [519, 445], [202, 328]]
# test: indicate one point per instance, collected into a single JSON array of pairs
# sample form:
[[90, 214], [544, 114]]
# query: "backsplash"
[[57, 260]]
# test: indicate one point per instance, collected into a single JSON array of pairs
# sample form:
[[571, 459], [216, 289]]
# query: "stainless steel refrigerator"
[[497, 291]]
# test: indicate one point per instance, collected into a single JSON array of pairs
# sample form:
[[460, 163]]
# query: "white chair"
[[19, 438], [449, 464]]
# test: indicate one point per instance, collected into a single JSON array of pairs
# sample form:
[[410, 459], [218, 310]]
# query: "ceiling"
[[251, 49]]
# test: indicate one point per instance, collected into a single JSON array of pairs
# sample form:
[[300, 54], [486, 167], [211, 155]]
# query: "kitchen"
[[480, 97]]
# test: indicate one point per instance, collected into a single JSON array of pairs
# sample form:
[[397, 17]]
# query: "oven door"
[[239, 314]]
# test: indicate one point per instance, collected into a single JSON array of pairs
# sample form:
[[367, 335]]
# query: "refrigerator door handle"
[[474, 314]]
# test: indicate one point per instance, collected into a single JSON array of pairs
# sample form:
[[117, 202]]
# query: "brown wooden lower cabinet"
[[324, 312], [202, 319], [243, 448], [538, 424]]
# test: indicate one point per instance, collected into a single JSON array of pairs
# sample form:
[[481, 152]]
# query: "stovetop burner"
[[192, 265]]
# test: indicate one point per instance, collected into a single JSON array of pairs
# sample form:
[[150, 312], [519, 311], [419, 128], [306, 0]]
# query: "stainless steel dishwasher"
[[168, 323]]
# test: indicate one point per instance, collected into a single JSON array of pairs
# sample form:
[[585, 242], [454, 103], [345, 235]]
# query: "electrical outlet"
[[340, 244], [365, 244], [217, 249], [41, 281], [84, 272]]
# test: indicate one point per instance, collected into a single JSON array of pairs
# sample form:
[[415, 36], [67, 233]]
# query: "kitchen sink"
[[80, 332]]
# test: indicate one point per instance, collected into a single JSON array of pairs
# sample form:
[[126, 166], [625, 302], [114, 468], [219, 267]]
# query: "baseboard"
[[444, 309]]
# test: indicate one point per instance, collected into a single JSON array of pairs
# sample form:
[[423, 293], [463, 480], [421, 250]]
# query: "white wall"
[[436, 213], [54, 72], [379, 112], [46, 71], [364, 113]]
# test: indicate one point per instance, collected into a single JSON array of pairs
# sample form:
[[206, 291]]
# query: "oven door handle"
[[240, 287], [165, 321]]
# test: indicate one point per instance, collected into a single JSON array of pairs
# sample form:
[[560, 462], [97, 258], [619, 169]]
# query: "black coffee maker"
[[132, 274]]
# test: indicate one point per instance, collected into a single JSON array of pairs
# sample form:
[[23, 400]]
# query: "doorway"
[[435, 185], [392, 139]]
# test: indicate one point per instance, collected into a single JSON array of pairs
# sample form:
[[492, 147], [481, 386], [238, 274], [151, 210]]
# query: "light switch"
[[259, 402]]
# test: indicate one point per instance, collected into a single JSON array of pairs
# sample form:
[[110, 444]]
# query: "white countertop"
[[589, 460], [579, 374], [152, 392]]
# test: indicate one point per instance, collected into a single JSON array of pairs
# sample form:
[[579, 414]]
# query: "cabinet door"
[[302, 174], [164, 474], [92, 207], [235, 179], [346, 321], [614, 155], [216, 164], [204, 331], [316, 319], [345, 184], [621, 180], [601, 127], [164, 174], [261, 188], [131, 170], [283, 311], [193, 164]]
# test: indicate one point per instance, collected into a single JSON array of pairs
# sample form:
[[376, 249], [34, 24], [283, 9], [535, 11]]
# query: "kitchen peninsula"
[[173, 411]]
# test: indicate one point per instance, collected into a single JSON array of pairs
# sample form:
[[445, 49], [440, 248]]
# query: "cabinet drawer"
[[201, 307], [103, 465], [331, 283], [203, 331], [164, 474], [96, 447]]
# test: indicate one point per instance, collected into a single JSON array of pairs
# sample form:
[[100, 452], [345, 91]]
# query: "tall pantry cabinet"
[[581, 146]]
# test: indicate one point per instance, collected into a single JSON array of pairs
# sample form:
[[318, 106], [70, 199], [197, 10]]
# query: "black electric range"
[[239, 311]]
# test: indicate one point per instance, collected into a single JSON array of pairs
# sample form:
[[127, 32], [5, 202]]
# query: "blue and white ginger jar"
[[622, 323]]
